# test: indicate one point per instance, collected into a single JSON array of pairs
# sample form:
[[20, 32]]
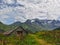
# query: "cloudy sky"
[[21, 10]]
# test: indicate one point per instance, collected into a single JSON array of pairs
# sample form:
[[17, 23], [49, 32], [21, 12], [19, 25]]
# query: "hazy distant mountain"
[[16, 23], [48, 24], [40, 24], [57, 28], [34, 25], [45, 24], [28, 25]]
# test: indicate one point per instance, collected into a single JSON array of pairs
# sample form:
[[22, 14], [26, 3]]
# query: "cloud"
[[9, 1], [5, 10], [41, 9], [3, 18]]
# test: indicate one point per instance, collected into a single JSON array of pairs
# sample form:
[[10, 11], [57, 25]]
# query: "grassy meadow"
[[39, 38]]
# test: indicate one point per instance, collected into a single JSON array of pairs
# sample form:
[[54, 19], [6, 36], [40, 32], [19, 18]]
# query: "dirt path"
[[41, 41]]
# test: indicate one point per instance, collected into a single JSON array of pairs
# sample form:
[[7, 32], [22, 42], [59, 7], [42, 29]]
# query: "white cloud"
[[9, 1], [5, 10], [3, 18], [42, 9]]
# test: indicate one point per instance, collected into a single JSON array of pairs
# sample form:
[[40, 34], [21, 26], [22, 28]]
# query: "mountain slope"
[[48, 24], [34, 26], [57, 28], [5, 27], [38, 25]]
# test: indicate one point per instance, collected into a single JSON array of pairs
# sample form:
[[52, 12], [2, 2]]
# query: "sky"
[[22, 10]]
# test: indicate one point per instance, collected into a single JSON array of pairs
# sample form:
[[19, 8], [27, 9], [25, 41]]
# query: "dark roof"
[[11, 31]]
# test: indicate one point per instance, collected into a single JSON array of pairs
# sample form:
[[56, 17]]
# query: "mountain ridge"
[[35, 25], [45, 24]]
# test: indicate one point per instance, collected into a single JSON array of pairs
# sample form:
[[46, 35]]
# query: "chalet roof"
[[11, 31]]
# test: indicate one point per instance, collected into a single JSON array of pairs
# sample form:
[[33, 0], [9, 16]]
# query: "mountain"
[[5, 27], [43, 24], [28, 25], [33, 25], [16, 23], [38, 25], [57, 28], [48, 24]]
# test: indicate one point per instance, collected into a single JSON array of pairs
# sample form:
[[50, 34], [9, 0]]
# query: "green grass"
[[49, 36], [14, 40]]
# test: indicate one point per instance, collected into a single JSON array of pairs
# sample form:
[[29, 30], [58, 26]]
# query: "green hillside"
[[30, 27], [33, 27], [5, 27]]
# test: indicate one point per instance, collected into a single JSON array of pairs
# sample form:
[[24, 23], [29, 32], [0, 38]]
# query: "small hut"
[[18, 31]]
